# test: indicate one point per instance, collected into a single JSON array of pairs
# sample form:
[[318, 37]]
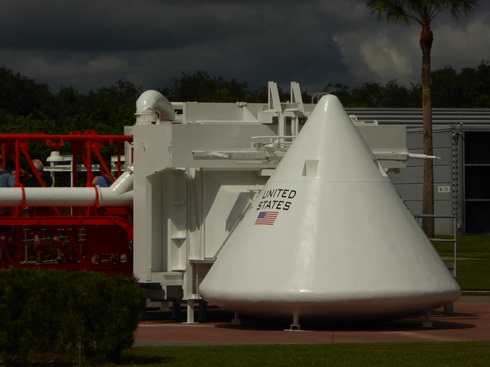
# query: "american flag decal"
[[266, 218]]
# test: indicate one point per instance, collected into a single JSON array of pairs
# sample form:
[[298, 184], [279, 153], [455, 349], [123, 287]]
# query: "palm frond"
[[420, 11], [392, 10], [462, 7]]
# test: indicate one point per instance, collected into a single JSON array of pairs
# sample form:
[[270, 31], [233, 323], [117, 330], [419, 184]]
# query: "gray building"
[[461, 138]]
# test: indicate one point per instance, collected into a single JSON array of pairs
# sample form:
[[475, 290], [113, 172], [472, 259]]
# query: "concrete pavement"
[[470, 321]]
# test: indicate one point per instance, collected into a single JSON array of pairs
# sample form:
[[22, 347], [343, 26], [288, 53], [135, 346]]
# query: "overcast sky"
[[90, 44]]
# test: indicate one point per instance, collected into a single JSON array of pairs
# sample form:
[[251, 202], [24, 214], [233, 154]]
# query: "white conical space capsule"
[[328, 236]]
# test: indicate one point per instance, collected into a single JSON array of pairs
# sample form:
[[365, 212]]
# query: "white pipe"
[[422, 156], [118, 194], [124, 183], [152, 107]]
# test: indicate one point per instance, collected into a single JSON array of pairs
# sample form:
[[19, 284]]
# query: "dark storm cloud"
[[110, 25], [89, 44]]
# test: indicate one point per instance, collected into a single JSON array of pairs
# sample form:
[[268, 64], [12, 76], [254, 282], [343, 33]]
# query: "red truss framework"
[[94, 237]]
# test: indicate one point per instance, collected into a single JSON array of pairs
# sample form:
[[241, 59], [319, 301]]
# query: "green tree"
[[202, 87], [446, 88], [110, 109], [368, 95], [67, 104], [342, 91], [376, 95], [23, 95], [476, 86], [469, 88], [423, 12], [395, 95], [261, 95]]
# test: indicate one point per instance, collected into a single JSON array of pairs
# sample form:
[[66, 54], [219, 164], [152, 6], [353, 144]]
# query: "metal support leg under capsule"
[[190, 312], [236, 319], [295, 326], [427, 322]]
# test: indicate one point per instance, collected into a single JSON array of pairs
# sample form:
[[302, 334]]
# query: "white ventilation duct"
[[152, 107]]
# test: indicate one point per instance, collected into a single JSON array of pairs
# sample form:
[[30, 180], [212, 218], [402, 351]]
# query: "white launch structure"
[[301, 221], [334, 239]]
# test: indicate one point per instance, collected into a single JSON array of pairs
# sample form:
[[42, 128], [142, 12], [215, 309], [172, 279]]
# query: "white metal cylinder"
[[123, 183], [64, 196], [118, 194]]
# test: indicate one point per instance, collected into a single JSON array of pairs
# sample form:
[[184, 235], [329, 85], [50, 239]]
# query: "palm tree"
[[423, 12]]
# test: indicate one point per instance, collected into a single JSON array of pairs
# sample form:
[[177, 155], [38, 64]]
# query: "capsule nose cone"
[[329, 146], [328, 236]]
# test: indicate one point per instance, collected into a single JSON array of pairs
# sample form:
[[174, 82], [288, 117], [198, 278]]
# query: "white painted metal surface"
[[328, 236]]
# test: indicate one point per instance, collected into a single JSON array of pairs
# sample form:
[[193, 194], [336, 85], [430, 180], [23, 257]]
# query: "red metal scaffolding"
[[70, 238]]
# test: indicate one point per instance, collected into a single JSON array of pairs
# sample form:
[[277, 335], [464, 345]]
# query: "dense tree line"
[[30, 107]]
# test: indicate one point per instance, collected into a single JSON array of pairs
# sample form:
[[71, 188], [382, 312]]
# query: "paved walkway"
[[469, 322]]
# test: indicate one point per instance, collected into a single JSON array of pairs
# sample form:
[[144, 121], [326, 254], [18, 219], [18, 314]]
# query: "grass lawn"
[[473, 272], [473, 264], [447, 354]]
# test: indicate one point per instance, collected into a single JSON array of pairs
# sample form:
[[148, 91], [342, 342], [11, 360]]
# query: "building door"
[[477, 182]]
